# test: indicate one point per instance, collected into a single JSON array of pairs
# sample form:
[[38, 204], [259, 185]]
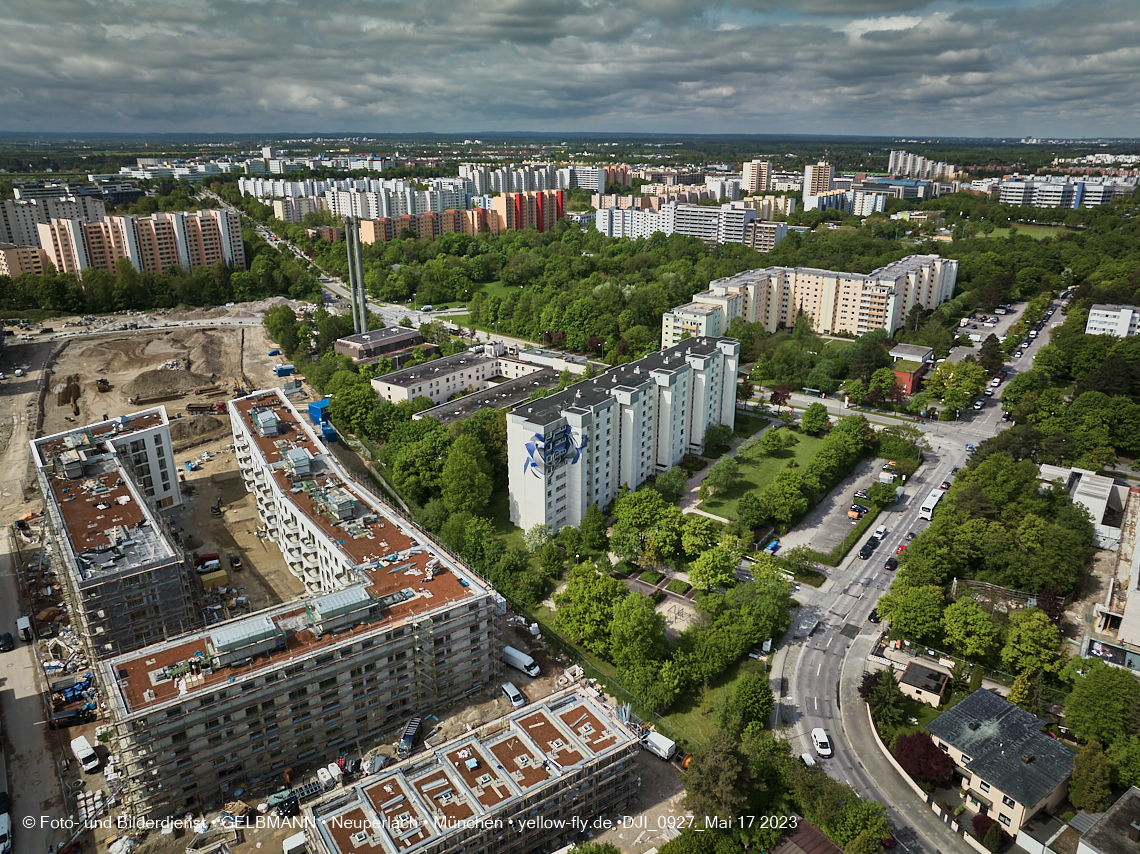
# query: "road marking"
[[829, 640], [818, 669]]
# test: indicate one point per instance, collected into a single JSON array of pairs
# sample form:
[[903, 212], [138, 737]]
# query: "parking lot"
[[827, 524]]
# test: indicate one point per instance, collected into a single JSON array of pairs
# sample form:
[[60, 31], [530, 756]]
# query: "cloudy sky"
[[875, 67]]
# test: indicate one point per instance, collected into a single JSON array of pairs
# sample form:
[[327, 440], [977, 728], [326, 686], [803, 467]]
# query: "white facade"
[[1064, 193], [577, 447], [837, 302], [20, 218], [1118, 320], [723, 224]]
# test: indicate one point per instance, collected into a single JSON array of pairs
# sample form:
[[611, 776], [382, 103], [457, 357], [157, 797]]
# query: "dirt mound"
[[161, 383], [193, 427]]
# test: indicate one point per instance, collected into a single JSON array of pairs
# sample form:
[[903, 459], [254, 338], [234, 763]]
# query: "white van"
[[808, 759], [659, 745], [520, 661], [514, 695], [295, 844], [85, 754]]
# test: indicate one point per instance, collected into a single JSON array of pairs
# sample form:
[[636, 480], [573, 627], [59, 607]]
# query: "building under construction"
[[391, 627], [124, 575], [530, 781]]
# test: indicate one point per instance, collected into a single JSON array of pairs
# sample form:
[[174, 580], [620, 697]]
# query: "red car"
[[945, 485], [899, 550]]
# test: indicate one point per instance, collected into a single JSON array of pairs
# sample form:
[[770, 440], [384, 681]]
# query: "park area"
[[758, 468]]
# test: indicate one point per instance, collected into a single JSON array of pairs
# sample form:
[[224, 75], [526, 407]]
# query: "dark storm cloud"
[[758, 66]]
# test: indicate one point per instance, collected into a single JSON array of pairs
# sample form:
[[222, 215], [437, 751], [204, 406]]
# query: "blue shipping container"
[[319, 411]]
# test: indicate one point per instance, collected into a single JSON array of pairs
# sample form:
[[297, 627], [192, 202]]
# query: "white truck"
[[295, 844], [85, 754], [520, 661], [659, 745]]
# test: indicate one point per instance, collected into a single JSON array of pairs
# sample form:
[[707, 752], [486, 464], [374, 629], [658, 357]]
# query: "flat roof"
[[110, 528], [471, 778], [589, 393], [696, 308], [93, 435], [1110, 833], [428, 370], [375, 336], [395, 564], [497, 396], [923, 677]]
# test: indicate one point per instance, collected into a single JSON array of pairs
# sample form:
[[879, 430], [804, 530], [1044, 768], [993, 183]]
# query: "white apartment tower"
[[757, 177], [1119, 320], [577, 447]]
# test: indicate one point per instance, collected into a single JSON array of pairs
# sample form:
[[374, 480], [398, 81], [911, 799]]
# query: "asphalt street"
[[839, 612]]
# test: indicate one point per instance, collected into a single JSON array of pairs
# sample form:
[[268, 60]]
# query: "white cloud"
[[807, 66]]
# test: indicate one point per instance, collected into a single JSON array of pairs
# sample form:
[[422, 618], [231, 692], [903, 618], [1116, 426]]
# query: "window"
[[943, 747], [1004, 819], [1008, 801], [983, 785], [966, 760]]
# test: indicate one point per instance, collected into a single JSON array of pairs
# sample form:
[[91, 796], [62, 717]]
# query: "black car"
[[910, 535], [866, 551], [874, 618], [892, 563], [873, 543], [6, 642]]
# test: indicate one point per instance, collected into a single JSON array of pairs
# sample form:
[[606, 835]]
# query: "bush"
[[651, 576], [981, 825], [678, 586], [624, 569]]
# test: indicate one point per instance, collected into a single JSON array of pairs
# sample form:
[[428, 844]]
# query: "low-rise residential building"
[[1116, 830], [1010, 769], [925, 684], [125, 575], [910, 362], [1119, 320], [1101, 496], [392, 342], [579, 446], [473, 370], [510, 787]]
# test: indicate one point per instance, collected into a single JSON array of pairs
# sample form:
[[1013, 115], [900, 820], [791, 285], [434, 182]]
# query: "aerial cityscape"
[[674, 429]]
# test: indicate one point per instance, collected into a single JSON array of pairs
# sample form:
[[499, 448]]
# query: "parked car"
[[1007, 416], [873, 543], [901, 548], [866, 551], [969, 448], [859, 508], [862, 493], [7, 642], [874, 618], [996, 381], [891, 564], [910, 535], [944, 485]]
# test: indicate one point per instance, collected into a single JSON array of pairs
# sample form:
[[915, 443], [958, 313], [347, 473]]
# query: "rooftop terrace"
[[94, 435]]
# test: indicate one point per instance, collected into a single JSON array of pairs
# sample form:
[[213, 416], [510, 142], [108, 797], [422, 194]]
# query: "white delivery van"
[[659, 745], [5, 833], [24, 628], [85, 754], [520, 661], [295, 844]]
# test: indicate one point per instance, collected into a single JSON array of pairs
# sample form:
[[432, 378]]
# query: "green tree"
[[749, 510], [1090, 787], [595, 848], [1100, 705], [637, 632], [864, 843], [1019, 691], [995, 836], [536, 536], [718, 781], [466, 483], [815, 419], [990, 356], [887, 703], [915, 613], [585, 609], [593, 529], [723, 475], [672, 483], [751, 702], [714, 568], [969, 630], [717, 435], [771, 443], [1032, 642], [783, 500], [1124, 762], [699, 533]]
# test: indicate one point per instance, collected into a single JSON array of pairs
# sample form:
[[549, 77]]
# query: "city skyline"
[[876, 68]]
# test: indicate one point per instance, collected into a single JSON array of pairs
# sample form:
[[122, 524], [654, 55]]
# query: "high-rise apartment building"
[[17, 260], [764, 236], [837, 302], [1064, 193], [391, 627], [20, 218], [818, 179], [1119, 320], [757, 175], [480, 793], [124, 574], [152, 243], [293, 208], [724, 224], [519, 211], [579, 446]]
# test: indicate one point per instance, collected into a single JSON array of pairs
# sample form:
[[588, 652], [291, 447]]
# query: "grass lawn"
[[694, 714], [747, 424], [1037, 231], [757, 470], [496, 289], [499, 511]]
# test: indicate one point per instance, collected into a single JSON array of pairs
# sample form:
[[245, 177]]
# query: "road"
[[33, 783], [839, 644]]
